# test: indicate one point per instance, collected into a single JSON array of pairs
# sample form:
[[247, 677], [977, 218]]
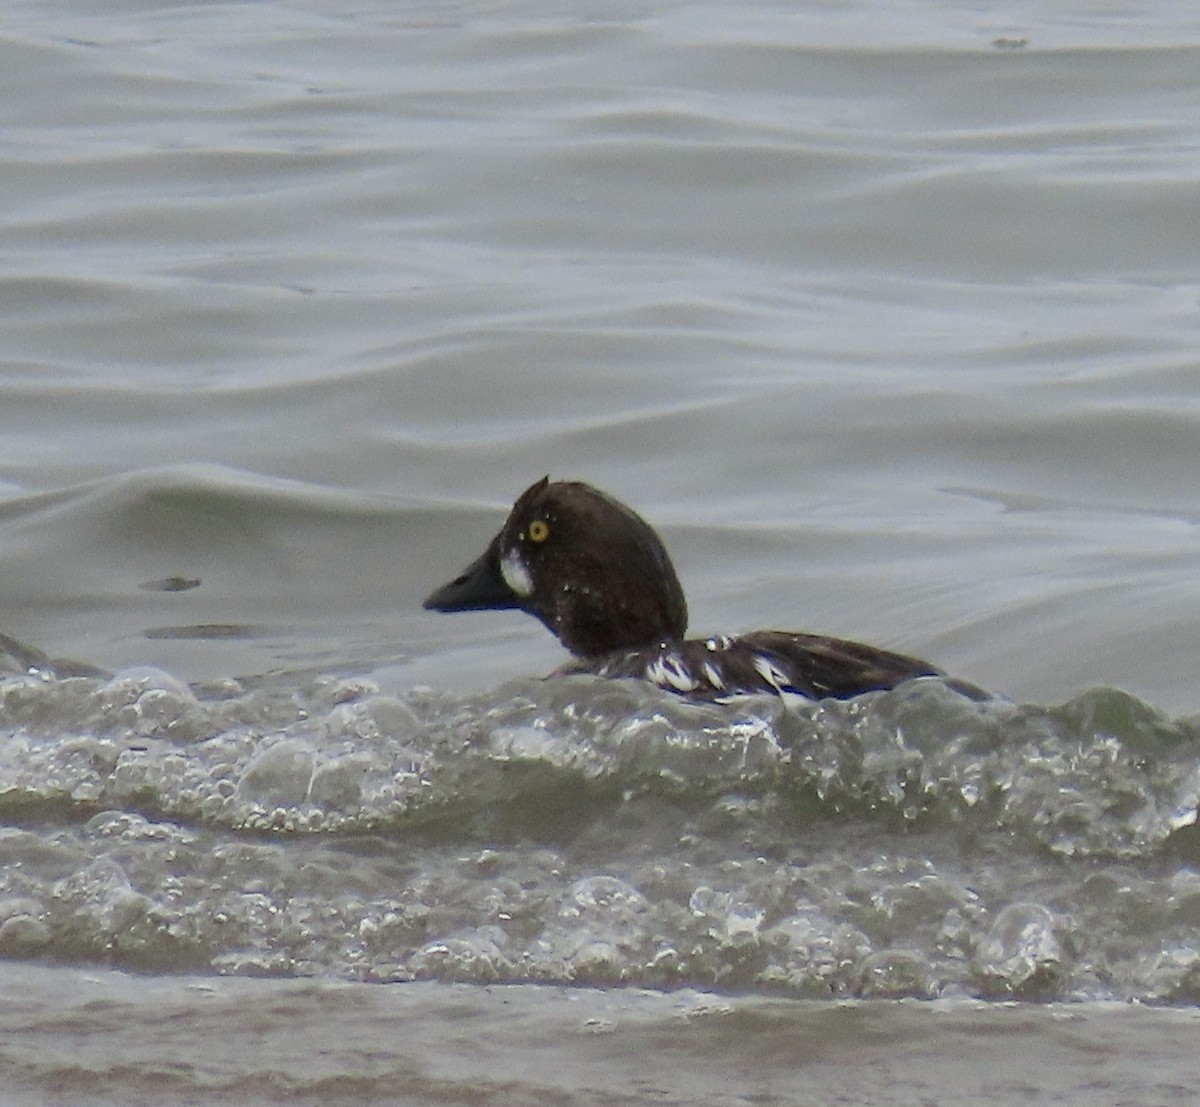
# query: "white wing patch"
[[516, 574], [771, 673], [667, 671], [713, 677]]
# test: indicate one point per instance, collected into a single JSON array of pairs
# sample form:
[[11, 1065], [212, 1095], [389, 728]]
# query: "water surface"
[[885, 315]]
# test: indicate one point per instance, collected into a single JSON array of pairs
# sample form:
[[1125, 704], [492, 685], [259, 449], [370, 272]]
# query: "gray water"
[[885, 315]]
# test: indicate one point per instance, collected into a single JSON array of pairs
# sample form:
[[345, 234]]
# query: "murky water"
[[887, 316]]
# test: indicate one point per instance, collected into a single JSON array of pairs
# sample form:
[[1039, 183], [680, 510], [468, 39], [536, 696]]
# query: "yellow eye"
[[539, 531]]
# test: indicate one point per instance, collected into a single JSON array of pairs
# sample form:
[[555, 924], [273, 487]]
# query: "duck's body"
[[600, 579]]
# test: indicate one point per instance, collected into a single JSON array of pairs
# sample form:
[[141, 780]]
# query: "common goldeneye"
[[599, 578]]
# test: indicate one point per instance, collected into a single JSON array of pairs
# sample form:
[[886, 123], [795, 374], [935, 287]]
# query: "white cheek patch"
[[516, 575]]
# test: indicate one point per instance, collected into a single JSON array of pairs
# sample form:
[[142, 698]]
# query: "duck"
[[596, 574]]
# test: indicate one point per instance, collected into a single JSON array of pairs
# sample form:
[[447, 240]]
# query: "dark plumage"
[[600, 579]]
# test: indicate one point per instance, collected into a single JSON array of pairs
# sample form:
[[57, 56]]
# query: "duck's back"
[[811, 665]]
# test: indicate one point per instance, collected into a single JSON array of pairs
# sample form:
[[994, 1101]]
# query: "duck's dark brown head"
[[590, 568]]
